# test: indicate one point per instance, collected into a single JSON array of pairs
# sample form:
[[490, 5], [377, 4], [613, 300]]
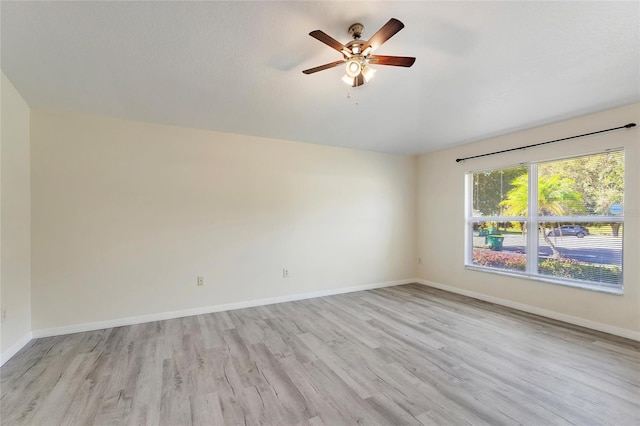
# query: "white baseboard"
[[617, 331], [15, 348], [119, 322]]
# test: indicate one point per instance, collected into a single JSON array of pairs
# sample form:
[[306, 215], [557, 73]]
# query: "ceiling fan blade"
[[385, 33], [323, 67], [396, 61], [329, 41], [358, 81]]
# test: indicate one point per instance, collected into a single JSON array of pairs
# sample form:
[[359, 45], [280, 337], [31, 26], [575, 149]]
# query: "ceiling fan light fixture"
[[354, 67], [367, 73], [348, 80]]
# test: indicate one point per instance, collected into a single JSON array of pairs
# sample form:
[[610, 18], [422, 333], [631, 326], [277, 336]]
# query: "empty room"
[[320, 213]]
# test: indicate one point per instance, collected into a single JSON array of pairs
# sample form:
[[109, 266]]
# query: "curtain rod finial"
[[630, 125]]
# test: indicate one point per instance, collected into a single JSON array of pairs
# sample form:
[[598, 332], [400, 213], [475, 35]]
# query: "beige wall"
[[441, 217], [126, 215], [15, 241]]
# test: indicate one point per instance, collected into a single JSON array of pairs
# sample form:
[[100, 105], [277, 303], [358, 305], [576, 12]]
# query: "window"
[[575, 231]]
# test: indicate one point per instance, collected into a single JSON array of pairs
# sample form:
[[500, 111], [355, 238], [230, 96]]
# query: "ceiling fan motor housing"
[[355, 30]]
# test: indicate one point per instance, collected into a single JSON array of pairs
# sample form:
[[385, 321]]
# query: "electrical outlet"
[[4, 314], [285, 273], [200, 281]]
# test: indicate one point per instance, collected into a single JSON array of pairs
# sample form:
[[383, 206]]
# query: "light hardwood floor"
[[400, 355]]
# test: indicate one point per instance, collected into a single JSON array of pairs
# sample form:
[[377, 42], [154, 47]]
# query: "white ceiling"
[[482, 68]]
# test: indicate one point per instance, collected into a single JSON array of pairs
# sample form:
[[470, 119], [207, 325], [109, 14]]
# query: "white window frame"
[[531, 271]]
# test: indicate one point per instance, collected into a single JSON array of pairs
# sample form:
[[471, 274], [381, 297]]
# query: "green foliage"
[[598, 178], [553, 267], [490, 189], [573, 269], [584, 185], [517, 202], [556, 196], [501, 260]]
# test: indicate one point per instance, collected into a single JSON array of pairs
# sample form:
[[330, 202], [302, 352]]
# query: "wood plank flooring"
[[400, 355]]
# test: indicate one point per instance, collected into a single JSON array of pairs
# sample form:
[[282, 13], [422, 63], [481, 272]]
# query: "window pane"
[[591, 254], [492, 188], [586, 186], [579, 249], [499, 245]]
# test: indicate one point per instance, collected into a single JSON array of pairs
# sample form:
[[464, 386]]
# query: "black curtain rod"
[[626, 126]]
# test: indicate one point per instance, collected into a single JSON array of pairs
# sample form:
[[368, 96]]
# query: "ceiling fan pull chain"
[[355, 96]]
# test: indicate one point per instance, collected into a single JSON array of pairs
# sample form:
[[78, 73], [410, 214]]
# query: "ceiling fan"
[[357, 53]]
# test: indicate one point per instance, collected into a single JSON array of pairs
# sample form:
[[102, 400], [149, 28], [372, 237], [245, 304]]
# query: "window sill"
[[584, 286]]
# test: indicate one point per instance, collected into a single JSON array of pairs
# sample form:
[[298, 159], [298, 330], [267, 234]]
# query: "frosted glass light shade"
[[348, 80], [367, 73], [353, 68]]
